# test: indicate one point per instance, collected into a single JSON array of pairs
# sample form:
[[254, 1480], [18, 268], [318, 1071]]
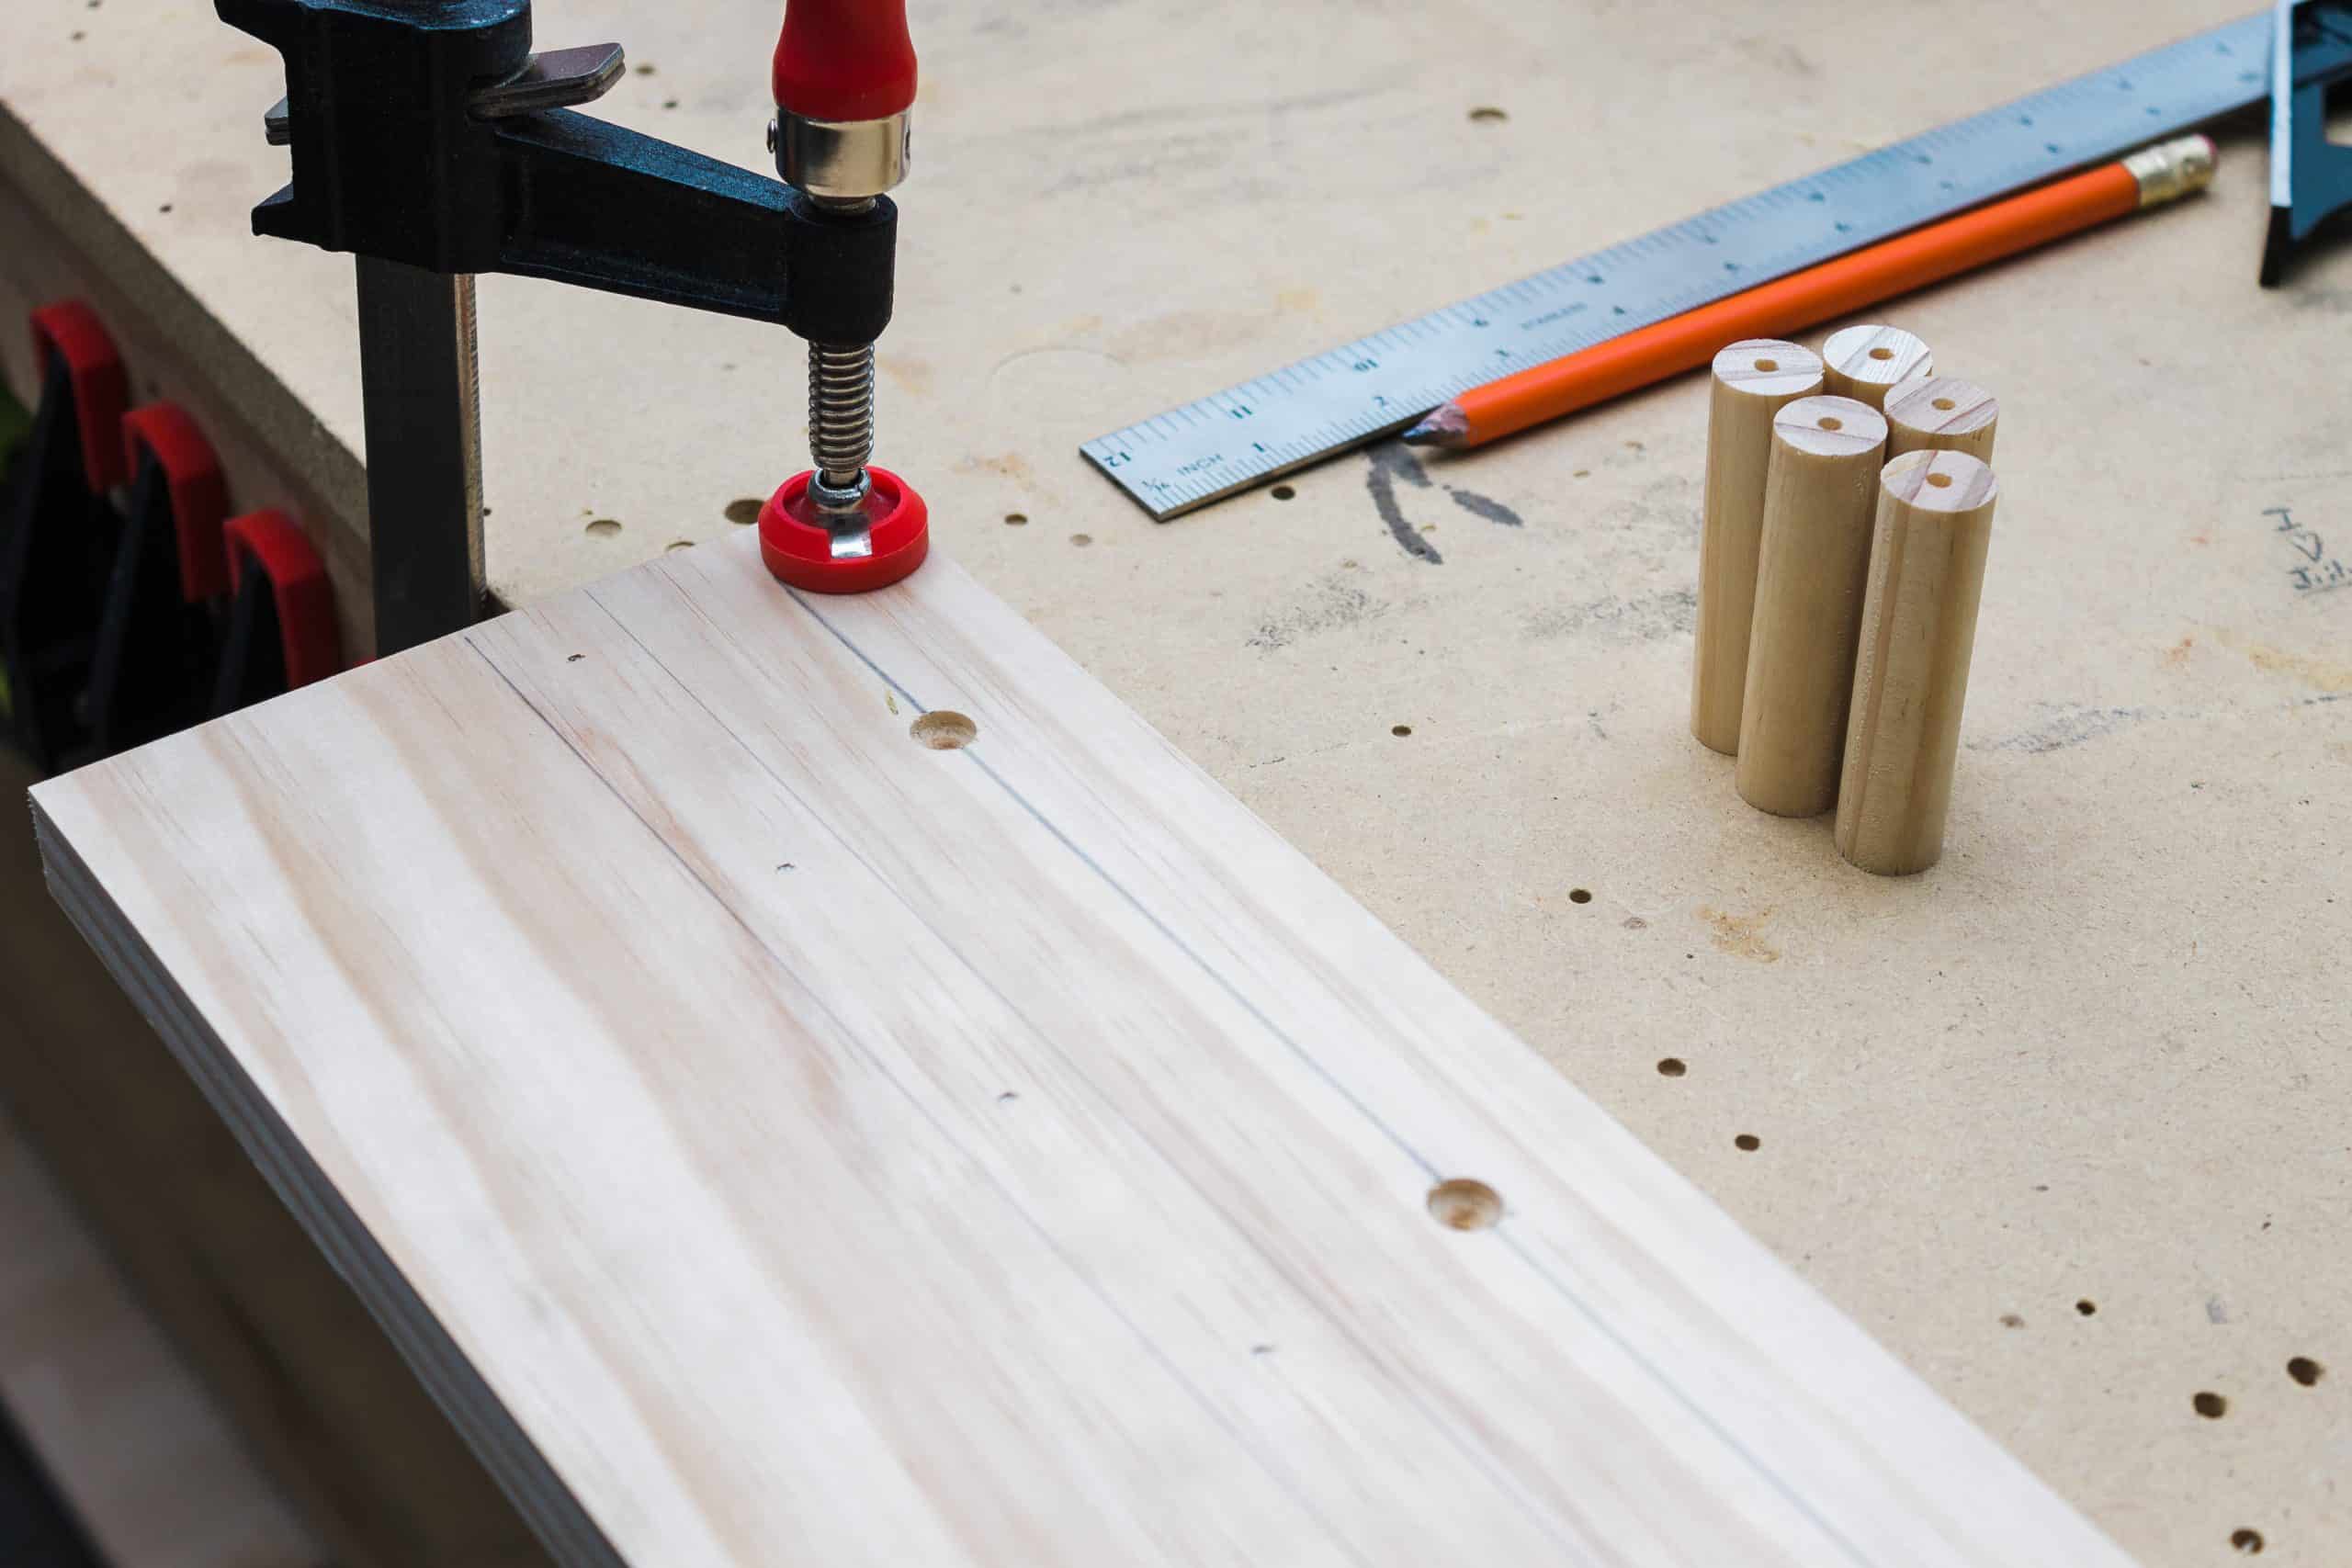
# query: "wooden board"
[[795, 1142], [2094, 1058], [298, 1367], [136, 1449]]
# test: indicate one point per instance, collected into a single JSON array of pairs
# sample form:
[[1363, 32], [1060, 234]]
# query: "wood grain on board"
[[782, 1133]]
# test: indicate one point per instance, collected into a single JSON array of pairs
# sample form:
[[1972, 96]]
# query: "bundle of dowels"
[[1848, 505]]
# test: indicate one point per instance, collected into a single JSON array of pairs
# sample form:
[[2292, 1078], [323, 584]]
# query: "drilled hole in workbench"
[[603, 528], [1487, 114], [1940, 481], [2086, 1307], [2011, 1320], [668, 103], [2208, 1404], [1400, 729], [1282, 492], [1580, 894], [1671, 1067], [166, 208], [1462, 1204], [1016, 519], [744, 512], [2305, 1371], [944, 729], [1081, 540], [1881, 354], [1748, 1143], [1945, 404], [1768, 366], [646, 70], [2246, 1541], [1831, 421]]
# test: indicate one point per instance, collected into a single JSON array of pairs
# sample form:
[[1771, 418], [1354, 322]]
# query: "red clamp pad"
[[200, 494], [72, 331], [798, 547], [844, 59], [299, 585]]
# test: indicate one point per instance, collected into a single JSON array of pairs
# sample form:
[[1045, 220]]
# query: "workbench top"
[[2059, 1121]]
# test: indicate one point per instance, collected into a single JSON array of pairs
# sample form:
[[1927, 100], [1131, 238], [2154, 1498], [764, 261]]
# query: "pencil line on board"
[[850, 1038], [1583, 1308], [1245, 1233]]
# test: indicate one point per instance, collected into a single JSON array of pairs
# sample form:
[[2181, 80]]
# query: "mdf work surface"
[[2059, 1122], [781, 1136]]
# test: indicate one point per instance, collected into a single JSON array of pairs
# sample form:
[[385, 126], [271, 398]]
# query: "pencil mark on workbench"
[[1477, 506], [1329, 602], [2069, 726], [851, 1041], [1391, 461], [1541, 1266], [1656, 617]]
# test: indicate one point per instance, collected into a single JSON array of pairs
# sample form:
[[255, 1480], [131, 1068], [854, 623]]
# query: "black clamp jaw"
[[2310, 176], [426, 132]]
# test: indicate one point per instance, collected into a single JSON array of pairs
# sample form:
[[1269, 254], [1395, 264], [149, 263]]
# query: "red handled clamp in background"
[[59, 531]]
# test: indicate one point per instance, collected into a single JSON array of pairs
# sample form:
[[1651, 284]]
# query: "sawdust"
[[1742, 936], [2322, 674], [1011, 466], [913, 376]]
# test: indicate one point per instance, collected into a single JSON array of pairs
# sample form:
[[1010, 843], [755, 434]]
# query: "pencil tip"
[[1441, 426]]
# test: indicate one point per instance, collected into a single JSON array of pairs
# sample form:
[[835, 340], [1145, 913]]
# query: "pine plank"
[[777, 1141]]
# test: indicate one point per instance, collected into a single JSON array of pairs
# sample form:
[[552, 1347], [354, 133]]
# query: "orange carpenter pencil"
[[1786, 305]]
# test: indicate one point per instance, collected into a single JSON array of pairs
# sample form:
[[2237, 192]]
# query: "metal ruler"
[[1191, 455]]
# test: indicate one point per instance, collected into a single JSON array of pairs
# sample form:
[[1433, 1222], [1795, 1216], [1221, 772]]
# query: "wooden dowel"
[[1819, 502], [1926, 572], [1754, 379], [1942, 413], [1862, 362]]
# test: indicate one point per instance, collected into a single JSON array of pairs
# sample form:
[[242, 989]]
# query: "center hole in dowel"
[[1768, 364], [1881, 354], [1941, 481], [1945, 404], [1831, 421]]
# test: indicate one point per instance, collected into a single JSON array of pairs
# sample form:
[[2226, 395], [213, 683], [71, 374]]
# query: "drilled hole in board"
[[2011, 1320], [1940, 481], [1081, 540], [1282, 493], [2305, 1371], [1768, 366], [1487, 114], [1580, 894], [1831, 421], [944, 729], [1400, 729], [1945, 404], [2246, 1541], [2086, 1306], [1748, 1143], [1881, 354], [744, 512], [1671, 1067], [1016, 519], [1462, 1204], [603, 528], [2208, 1404]]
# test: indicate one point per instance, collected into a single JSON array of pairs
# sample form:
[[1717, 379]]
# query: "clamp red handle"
[[844, 59]]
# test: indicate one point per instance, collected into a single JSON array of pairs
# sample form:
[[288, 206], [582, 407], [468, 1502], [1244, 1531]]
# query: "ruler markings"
[[1384, 380]]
